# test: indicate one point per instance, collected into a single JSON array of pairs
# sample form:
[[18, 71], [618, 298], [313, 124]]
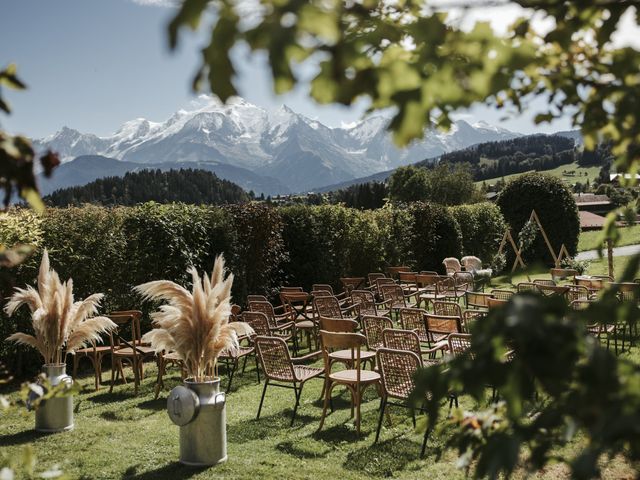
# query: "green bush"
[[553, 202], [482, 226], [435, 235]]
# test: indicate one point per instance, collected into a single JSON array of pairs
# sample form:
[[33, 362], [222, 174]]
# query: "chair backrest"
[[447, 285], [352, 283], [380, 282], [267, 309], [460, 344], [402, 340], [332, 341], [559, 274], [372, 327], [327, 307], [338, 324], [397, 369], [495, 302], [553, 290], [452, 265], [408, 278], [413, 319], [322, 286], [427, 280], [501, 294], [471, 263], [470, 316], [394, 271], [256, 298], [258, 321], [442, 324], [544, 281], [580, 304], [450, 309], [321, 293], [275, 358], [577, 292], [372, 277], [627, 291], [365, 302], [127, 333], [478, 299], [527, 287], [136, 316], [394, 293]]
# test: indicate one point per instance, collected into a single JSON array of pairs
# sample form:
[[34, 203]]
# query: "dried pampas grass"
[[58, 321], [193, 324]]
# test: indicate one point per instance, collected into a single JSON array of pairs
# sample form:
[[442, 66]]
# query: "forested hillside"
[[187, 185]]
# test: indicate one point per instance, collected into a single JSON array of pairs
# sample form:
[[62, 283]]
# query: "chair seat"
[[90, 350], [304, 373], [305, 325], [128, 352], [345, 355], [350, 376], [172, 356], [241, 352]]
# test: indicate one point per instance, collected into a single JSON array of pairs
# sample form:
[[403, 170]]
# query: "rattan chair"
[[451, 290], [393, 272], [328, 306], [397, 369], [281, 370], [413, 319], [553, 290], [452, 265], [496, 302], [502, 294], [373, 326], [408, 340], [356, 379], [407, 280], [352, 283], [451, 309], [560, 274], [544, 281], [95, 354], [342, 297], [366, 304], [470, 316], [439, 327], [527, 287], [578, 292], [397, 298], [380, 282], [477, 300], [372, 277], [429, 288]]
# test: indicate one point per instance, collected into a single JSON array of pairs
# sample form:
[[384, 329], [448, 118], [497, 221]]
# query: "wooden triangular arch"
[[564, 253], [507, 237], [534, 217]]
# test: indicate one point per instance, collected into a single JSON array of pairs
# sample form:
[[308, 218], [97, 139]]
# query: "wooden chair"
[[382, 282], [269, 310], [429, 288], [356, 379], [477, 300], [451, 290], [399, 339], [372, 277], [260, 323], [451, 309], [413, 319], [328, 306], [232, 361], [342, 297], [394, 271], [439, 327], [281, 370], [553, 290], [501, 294], [407, 280], [578, 292], [496, 302], [545, 282], [164, 360], [397, 369], [127, 350], [471, 316], [563, 274], [397, 298], [366, 304], [372, 327], [95, 354], [300, 307], [344, 356], [527, 287], [352, 283]]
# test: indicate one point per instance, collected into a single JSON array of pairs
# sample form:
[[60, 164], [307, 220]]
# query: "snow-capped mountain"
[[303, 154]]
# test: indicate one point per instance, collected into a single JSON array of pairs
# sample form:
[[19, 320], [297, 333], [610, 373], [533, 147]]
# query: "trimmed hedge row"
[[110, 250]]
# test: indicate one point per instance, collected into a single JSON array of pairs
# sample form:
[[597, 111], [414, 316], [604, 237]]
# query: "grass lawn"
[[579, 174], [628, 236], [122, 436]]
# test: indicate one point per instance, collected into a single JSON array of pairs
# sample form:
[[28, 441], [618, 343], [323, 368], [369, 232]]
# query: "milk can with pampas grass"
[[61, 325], [195, 325]]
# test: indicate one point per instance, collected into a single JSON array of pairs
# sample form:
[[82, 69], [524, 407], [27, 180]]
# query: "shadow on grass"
[[174, 471], [156, 404], [301, 449], [21, 438], [384, 458], [112, 397], [253, 429]]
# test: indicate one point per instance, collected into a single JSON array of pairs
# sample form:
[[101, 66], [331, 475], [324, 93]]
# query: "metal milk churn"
[[199, 409], [55, 414]]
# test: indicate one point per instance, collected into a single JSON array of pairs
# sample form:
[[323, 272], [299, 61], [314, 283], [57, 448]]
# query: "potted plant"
[[60, 325], [195, 325]]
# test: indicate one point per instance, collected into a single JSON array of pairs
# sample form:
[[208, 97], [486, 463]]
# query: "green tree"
[[409, 184]]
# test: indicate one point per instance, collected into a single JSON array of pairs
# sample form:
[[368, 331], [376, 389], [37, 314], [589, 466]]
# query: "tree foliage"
[[185, 185], [553, 202]]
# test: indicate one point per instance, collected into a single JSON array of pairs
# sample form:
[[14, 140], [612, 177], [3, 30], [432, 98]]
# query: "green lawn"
[[579, 176], [628, 236], [122, 436]]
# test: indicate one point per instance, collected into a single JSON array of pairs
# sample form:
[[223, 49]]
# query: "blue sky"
[[94, 64]]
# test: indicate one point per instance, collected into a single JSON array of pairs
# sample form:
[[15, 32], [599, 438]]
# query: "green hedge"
[[482, 227], [110, 250]]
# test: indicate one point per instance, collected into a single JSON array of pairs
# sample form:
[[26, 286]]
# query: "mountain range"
[[271, 152]]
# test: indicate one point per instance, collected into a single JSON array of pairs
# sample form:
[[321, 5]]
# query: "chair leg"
[[76, 360], [298, 392], [257, 368], [244, 364], [383, 405], [231, 372], [358, 395], [264, 390], [424, 441], [327, 397]]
